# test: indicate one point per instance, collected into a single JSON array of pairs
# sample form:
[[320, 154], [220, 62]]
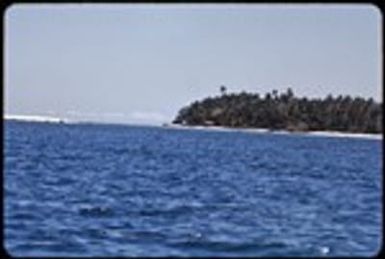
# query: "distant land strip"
[[284, 111]]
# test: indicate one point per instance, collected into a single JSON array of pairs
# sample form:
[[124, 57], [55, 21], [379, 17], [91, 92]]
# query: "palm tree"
[[275, 94], [289, 93], [223, 89]]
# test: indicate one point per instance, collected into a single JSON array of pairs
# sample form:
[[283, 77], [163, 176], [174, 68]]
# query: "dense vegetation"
[[284, 111]]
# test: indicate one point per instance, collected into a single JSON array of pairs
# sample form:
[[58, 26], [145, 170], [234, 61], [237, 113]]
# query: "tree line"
[[284, 111]]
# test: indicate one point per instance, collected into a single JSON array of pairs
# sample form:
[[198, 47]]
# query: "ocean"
[[118, 190]]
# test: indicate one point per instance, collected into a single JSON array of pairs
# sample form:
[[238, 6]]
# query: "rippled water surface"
[[150, 191]]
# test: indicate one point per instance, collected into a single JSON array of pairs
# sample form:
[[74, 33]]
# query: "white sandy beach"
[[35, 118], [261, 130]]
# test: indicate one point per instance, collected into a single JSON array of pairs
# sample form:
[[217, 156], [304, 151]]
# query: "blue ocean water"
[[110, 190]]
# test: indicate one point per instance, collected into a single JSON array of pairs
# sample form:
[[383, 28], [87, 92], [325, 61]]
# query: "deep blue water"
[[150, 191]]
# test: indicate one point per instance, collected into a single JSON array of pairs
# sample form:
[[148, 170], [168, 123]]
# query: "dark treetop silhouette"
[[284, 111]]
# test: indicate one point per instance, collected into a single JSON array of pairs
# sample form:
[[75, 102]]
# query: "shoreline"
[[338, 134]]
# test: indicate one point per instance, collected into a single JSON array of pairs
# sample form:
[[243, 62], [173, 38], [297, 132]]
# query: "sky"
[[141, 63]]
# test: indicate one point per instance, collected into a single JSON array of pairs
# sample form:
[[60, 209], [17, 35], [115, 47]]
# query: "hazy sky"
[[142, 63]]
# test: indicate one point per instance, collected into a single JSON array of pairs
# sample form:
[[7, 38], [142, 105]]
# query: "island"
[[284, 111]]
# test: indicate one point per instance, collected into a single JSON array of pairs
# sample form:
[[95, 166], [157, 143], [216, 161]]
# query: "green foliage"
[[284, 111]]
